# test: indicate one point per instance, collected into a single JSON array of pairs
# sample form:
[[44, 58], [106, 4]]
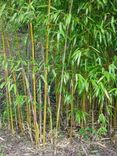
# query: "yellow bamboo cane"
[[46, 74]]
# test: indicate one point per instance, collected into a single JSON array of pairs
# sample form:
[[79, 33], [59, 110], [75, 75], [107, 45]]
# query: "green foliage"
[[82, 49], [80, 116], [87, 133]]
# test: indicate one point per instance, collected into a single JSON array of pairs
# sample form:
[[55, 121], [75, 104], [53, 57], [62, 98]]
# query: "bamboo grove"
[[58, 61]]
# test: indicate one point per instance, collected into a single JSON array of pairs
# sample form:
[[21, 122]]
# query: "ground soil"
[[14, 145]]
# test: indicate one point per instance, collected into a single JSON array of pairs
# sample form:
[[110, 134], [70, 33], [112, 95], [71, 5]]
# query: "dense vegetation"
[[58, 66]]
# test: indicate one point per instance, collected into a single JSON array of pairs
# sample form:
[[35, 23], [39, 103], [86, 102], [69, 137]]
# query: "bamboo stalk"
[[8, 94], [36, 128], [50, 114], [46, 74], [62, 73], [83, 107], [72, 108], [40, 111], [92, 113]]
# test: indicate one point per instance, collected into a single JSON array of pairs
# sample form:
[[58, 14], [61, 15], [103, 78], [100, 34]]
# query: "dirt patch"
[[13, 145]]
